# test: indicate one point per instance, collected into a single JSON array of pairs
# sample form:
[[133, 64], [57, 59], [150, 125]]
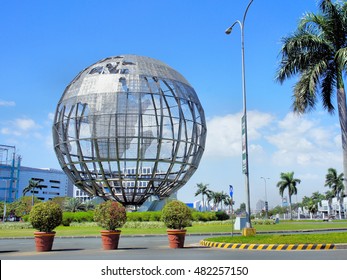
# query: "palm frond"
[[341, 58], [328, 84]]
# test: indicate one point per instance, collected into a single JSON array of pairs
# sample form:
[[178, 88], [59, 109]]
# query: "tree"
[[217, 198], [288, 182], [203, 190], [312, 202], [335, 183], [23, 205], [33, 184], [89, 205], [317, 53], [329, 195], [73, 204], [228, 201]]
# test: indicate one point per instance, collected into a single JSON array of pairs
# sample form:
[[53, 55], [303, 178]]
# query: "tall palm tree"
[[203, 190], [288, 182], [317, 53], [33, 184], [335, 183]]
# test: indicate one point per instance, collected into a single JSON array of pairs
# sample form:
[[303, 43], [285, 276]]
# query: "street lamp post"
[[244, 118], [266, 202]]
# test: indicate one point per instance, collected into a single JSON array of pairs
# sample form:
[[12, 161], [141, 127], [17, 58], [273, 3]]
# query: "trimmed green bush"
[[204, 216], [45, 216], [151, 216], [110, 215], [222, 216], [176, 215]]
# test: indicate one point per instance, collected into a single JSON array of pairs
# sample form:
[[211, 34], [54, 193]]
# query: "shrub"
[[110, 215], [45, 216], [222, 216], [204, 216], [68, 218], [176, 215], [81, 217]]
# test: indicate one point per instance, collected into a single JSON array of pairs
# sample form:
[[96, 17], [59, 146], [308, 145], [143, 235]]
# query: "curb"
[[277, 247]]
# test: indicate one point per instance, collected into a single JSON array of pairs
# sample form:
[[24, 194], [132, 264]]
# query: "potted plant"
[[110, 215], [45, 217], [176, 216]]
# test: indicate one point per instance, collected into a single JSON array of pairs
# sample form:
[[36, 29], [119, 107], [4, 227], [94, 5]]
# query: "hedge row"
[[155, 216], [78, 217]]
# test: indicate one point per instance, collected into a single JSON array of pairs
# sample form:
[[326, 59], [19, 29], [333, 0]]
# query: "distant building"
[[9, 173], [82, 195], [334, 209], [54, 183]]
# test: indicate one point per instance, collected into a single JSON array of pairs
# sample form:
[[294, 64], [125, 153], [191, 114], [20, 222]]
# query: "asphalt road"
[[149, 248]]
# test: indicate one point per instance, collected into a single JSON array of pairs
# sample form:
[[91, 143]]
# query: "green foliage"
[[73, 204], [204, 216], [22, 206], [110, 215], [46, 216], [144, 216], [176, 215], [222, 216], [67, 218]]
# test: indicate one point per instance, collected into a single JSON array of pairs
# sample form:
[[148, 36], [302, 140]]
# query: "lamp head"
[[228, 31]]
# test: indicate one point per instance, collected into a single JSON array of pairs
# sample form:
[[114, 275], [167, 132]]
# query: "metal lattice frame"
[[129, 127]]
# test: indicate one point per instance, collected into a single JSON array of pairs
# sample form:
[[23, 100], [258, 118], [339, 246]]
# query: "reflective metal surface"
[[129, 127]]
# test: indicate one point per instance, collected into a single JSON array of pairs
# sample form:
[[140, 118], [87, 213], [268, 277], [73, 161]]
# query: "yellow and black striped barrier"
[[278, 247]]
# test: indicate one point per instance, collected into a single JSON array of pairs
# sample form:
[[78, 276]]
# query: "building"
[[9, 173], [54, 183], [81, 195], [334, 209]]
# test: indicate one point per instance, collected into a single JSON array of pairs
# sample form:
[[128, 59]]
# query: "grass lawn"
[[334, 237], [14, 229]]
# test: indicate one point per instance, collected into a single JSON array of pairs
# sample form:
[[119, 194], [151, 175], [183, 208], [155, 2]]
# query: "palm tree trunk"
[[290, 205], [342, 108]]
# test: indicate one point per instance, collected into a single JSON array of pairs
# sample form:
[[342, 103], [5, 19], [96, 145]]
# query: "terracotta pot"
[[110, 239], [176, 237], [44, 241]]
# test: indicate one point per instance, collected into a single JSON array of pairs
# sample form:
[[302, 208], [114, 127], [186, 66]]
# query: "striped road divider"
[[278, 247]]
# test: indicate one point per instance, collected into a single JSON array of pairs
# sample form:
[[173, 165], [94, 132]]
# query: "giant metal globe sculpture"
[[129, 127]]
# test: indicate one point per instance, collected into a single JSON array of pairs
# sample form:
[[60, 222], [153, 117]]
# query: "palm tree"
[[228, 201], [203, 190], [216, 197], [33, 184], [329, 195], [317, 53], [288, 182], [73, 204], [335, 183]]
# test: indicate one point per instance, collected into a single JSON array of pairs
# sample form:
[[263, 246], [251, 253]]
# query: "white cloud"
[[304, 141], [21, 127], [7, 103], [224, 133]]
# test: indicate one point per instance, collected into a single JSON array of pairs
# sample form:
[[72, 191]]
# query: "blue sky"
[[45, 44]]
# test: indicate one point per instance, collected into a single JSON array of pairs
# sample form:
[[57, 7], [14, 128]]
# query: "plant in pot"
[[176, 216], [45, 217], [110, 215]]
